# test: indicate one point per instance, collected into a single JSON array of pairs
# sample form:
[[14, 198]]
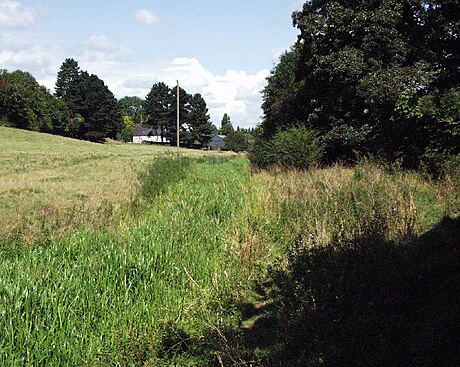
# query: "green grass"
[[174, 272], [96, 296], [51, 185]]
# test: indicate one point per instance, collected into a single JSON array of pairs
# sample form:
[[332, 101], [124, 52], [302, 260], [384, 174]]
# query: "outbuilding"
[[148, 135]]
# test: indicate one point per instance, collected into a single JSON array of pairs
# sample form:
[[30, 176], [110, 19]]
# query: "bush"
[[297, 147]]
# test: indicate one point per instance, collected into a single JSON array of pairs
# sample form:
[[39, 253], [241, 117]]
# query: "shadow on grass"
[[361, 302]]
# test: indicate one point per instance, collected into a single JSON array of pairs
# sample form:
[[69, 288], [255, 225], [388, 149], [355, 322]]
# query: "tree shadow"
[[366, 301]]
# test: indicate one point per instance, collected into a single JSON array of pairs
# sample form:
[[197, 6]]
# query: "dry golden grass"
[[319, 205], [51, 185]]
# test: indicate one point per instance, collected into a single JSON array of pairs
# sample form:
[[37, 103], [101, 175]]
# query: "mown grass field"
[[51, 185], [188, 260]]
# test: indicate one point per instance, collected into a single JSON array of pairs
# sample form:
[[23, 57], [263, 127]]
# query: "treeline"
[[83, 107], [374, 78], [27, 105], [196, 128]]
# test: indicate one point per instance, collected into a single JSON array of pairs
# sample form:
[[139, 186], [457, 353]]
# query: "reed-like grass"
[[103, 297]]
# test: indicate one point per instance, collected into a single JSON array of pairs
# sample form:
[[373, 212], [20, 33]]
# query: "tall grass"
[[366, 273], [104, 297]]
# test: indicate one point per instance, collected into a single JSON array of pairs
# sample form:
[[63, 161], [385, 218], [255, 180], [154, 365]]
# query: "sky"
[[222, 49]]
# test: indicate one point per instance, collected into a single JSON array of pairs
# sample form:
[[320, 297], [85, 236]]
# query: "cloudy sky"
[[221, 49]]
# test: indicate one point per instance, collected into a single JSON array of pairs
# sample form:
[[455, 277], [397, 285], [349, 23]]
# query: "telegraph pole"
[[178, 114]]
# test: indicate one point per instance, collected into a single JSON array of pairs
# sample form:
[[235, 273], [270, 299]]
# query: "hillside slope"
[[54, 184]]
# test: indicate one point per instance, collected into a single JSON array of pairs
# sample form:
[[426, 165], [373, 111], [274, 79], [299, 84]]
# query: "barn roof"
[[140, 130]]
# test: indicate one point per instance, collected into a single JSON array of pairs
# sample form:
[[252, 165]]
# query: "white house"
[[148, 135]]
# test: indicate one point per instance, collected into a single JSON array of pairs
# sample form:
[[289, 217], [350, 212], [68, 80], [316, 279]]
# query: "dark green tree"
[[360, 73], [93, 109], [158, 107], [199, 125], [98, 108], [27, 105], [161, 109], [226, 126], [236, 141]]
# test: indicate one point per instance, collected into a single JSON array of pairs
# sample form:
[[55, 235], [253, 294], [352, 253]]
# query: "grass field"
[[123, 255], [50, 185]]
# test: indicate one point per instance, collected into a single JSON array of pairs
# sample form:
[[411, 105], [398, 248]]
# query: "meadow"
[[199, 260], [51, 185]]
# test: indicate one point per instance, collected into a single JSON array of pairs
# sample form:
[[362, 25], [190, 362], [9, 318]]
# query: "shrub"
[[297, 147]]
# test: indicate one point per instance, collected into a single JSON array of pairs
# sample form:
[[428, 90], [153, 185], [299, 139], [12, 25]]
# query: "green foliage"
[[236, 141], [27, 105], [297, 147], [226, 126], [371, 78], [133, 107], [126, 133], [196, 128], [93, 109]]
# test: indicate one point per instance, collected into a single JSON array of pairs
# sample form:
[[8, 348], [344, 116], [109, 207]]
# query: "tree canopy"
[[372, 77], [161, 111], [27, 105], [93, 109]]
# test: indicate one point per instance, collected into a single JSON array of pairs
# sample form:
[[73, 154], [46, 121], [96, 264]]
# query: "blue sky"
[[221, 49]]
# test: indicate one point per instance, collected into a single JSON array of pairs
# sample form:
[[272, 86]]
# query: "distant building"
[[149, 135], [217, 143]]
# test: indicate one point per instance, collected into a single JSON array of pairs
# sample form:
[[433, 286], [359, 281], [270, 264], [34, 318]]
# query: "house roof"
[[140, 130], [218, 140]]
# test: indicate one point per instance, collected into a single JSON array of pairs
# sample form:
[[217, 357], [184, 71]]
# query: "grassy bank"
[[366, 272], [50, 185]]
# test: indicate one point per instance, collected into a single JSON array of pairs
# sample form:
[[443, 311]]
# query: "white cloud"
[[147, 17], [99, 49], [234, 92], [14, 15], [28, 55], [189, 71], [102, 43]]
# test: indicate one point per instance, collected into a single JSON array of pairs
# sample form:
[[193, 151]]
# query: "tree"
[[226, 125], [98, 108], [66, 77], [27, 105], [133, 107], [237, 141], [158, 106], [93, 109], [161, 108], [200, 126], [126, 133], [352, 69]]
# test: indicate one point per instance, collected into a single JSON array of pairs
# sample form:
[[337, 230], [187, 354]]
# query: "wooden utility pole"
[[178, 114]]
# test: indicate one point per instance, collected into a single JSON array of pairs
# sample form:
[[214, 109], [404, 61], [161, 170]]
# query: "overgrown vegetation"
[[107, 297], [377, 78], [363, 276], [210, 264], [297, 148]]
